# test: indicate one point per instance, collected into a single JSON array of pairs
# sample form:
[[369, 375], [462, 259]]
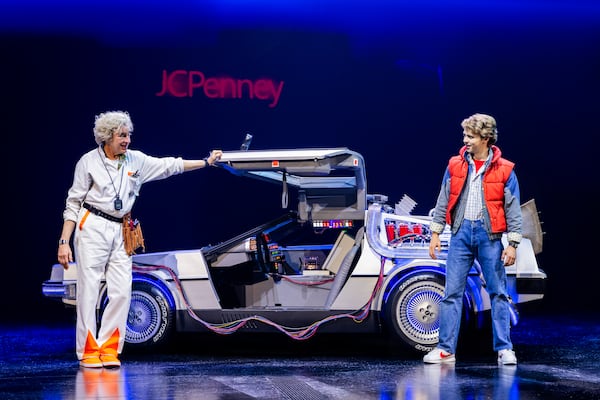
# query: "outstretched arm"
[[214, 156]]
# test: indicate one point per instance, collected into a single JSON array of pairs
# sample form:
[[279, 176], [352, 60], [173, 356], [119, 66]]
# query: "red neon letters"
[[181, 83]]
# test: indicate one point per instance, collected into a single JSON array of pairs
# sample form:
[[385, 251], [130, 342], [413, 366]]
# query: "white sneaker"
[[507, 357], [438, 356]]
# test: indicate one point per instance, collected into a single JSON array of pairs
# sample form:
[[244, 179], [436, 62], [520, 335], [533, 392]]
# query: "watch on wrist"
[[513, 244], [62, 241]]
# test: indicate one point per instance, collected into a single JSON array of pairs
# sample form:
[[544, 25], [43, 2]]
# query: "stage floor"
[[558, 359]]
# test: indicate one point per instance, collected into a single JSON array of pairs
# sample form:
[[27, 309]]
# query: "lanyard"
[[118, 203]]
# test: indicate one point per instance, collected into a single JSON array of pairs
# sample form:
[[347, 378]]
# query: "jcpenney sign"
[[182, 83]]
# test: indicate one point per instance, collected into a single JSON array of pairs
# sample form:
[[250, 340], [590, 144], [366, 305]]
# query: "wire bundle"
[[296, 333]]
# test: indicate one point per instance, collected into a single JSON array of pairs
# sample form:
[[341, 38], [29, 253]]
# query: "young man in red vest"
[[479, 200]]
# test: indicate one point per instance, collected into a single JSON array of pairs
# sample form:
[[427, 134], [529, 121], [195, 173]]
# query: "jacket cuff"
[[437, 227], [514, 237]]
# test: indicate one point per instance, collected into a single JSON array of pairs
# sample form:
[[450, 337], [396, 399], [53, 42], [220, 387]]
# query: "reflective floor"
[[559, 358]]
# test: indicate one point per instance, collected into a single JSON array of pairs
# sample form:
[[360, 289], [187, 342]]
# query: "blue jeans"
[[469, 243]]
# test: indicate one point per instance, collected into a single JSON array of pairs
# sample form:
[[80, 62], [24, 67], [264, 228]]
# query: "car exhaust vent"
[[405, 205]]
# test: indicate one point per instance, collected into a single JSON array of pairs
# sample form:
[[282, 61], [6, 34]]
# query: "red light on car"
[[333, 223], [275, 164]]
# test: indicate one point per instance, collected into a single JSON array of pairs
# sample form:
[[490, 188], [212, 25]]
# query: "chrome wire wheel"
[[150, 318], [412, 311], [418, 312], [143, 321]]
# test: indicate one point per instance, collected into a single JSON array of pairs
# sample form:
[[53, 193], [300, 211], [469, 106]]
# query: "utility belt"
[[102, 214]]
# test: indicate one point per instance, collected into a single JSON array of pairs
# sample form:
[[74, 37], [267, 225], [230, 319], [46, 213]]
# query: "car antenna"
[[246, 142]]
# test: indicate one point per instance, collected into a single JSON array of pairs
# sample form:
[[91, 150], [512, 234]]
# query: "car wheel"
[[412, 310], [150, 319]]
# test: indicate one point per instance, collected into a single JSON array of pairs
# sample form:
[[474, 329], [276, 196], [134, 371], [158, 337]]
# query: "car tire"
[[150, 320], [411, 311]]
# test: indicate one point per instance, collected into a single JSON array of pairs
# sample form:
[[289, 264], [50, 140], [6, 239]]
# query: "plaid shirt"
[[474, 208]]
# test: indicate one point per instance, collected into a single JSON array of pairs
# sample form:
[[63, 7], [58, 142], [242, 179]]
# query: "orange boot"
[[109, 351], [91, 353]]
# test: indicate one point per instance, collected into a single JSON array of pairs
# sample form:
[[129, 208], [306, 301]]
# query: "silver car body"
[[340, 260]]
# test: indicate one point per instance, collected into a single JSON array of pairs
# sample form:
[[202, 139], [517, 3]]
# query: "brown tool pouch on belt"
[[132, 235]]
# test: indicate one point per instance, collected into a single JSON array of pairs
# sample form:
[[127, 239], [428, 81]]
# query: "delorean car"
[[339, 261]]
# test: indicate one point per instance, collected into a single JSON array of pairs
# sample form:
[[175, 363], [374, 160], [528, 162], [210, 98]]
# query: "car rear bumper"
[[531, 286], [59, 290]]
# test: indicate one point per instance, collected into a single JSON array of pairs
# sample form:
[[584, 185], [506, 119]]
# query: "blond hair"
[[483, 125]]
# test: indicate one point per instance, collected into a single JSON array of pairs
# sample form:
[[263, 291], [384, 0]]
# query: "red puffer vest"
[[494, 180]]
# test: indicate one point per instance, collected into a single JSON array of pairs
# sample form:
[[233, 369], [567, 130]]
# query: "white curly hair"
[[108, 123]]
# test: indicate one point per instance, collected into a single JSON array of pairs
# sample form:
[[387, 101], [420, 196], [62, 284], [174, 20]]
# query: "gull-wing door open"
[[330, 182]]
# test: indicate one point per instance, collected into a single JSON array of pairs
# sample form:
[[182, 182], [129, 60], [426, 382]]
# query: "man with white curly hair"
[[106, 183], [480, 200]]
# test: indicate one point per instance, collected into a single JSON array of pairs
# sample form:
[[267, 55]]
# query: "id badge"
[[118, 204]]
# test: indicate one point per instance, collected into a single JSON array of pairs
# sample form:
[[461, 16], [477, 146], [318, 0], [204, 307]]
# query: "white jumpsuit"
[[98, 242]]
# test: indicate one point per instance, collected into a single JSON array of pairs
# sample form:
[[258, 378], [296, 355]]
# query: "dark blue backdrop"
[[391, 80]]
